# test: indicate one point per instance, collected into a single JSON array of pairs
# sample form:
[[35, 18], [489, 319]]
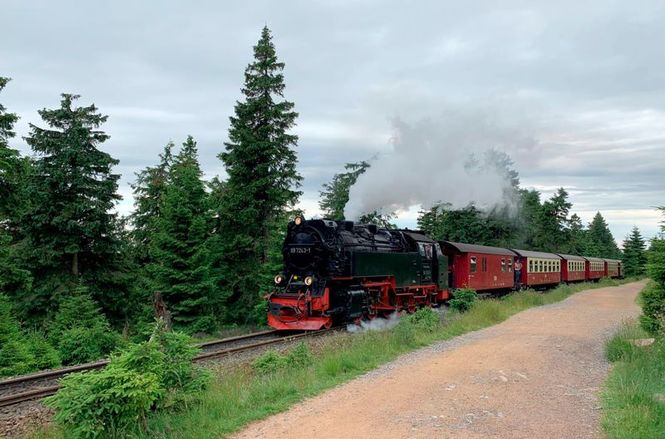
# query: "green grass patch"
[[631, 393], [274, 383]]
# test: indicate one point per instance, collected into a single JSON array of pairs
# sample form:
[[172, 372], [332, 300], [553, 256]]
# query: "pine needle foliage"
[[263, 182], [70, 227], [179, 267]]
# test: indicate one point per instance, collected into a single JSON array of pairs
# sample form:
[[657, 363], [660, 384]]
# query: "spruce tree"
[[335, 194], [71, 232], [149, 190], [634, 254], [600, 242], [552, 232], [179, 260], [14, 170], [9, 161], [578, 238], [263, 182]]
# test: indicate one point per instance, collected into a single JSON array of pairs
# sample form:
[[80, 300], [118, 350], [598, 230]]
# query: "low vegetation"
[[116, 401], [276, 380], [634, 393], [463, 299]]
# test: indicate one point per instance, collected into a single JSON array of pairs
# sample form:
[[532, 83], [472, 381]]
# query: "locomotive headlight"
[[279, 279], [309, 280], [298, 220]]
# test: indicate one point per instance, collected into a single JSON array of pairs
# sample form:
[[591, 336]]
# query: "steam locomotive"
[[339, 272]]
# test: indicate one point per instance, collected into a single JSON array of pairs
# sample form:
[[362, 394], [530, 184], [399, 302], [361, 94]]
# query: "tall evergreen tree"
[[335, 194], [262, 180], [600, 242], [14, 278], [529, 216], [180, 261], [149, 190], [578, 239], [71, 232], [634, 253], [9, 162], [552, 232]]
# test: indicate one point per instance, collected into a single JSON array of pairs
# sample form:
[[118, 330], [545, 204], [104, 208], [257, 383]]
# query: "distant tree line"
[[525, 221]]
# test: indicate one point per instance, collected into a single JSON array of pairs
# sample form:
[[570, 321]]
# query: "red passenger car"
[[539, 268], [479, 267], [573, 268], [613, 268], [595, 268]]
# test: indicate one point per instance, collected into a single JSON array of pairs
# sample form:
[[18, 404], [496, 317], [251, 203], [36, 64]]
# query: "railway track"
[[42, 384]]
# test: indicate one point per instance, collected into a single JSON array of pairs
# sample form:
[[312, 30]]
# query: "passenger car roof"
[[571, 257], [532, 254], [473, 248]]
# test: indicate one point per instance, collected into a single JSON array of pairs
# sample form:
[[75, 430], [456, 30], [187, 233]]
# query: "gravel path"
[[536, 375]]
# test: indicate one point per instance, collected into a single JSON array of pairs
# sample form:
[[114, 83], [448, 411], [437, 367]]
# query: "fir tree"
[[634, 254], [179, 266], [70, 230], [577, 234], [149, 190], [552, 232], [14, 170], [9, 161], [335, 194], [600, 242], [262, 183]]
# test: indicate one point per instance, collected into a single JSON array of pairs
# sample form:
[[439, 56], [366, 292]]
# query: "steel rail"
[[43, 392]]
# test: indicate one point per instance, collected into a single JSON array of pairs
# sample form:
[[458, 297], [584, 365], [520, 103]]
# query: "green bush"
[[9, 328], [82, 345], [272, 361], [656, 261], [80, 332], [105, 403], [15, 359], [269, 362], [405, 333], [180, 377], [44, 356], [463, 299], [300, 355], [424, 319], [652, 298], [151, 375]]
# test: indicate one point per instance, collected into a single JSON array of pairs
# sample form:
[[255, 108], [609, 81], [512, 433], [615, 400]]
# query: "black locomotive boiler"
[[339, 271]]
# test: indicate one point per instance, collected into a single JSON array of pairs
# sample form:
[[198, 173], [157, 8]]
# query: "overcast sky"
[[573, 91]]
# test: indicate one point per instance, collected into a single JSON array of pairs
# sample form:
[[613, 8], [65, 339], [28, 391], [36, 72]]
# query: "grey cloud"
[[584, 79]]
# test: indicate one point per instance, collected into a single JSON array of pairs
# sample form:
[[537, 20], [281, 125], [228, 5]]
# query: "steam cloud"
[[429, 164], [378, 324]]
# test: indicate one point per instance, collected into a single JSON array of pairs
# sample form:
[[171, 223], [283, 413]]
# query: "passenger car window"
[[503, 265], [473, 264]]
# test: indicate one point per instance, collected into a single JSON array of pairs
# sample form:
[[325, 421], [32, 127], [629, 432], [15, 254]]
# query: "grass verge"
[[244, 395], [633, 396]]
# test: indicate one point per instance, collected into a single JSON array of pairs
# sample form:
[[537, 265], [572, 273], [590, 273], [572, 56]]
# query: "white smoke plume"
[[429, 164], [377, 324]]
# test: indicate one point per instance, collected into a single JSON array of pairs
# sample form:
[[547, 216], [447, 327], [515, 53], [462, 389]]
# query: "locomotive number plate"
[[301, 250]]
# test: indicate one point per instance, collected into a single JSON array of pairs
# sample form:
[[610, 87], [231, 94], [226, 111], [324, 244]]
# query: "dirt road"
[[536, 375]]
